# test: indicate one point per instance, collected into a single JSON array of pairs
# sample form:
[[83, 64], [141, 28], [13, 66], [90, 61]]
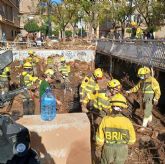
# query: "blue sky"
[[58, 1]]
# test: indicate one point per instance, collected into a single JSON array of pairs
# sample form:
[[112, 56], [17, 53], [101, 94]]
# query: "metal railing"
[[144, 52]]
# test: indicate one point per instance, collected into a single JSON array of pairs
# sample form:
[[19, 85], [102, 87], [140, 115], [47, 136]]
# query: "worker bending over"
[[91, 87], [151, 93], [82, 87], [114, 134], [33, 60]]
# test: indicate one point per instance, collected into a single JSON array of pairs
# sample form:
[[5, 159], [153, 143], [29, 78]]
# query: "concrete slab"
[[65, 140]]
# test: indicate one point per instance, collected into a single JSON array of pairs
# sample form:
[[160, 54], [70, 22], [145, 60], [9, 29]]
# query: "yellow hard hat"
[[119, 100], [98, 73], [143, 71], [62, 59], [30, 52], [27, 65], [49, 72], [114, 83], [133, 23]]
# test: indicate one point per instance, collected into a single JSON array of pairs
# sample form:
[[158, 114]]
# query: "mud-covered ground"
[[150, 145]]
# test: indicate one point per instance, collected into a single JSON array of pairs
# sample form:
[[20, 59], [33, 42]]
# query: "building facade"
[[9, 19], [28, 11]]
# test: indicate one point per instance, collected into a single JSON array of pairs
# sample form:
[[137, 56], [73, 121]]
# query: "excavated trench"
[[150, 146]]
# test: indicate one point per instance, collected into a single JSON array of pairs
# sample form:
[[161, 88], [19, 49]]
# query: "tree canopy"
[[31, 26]]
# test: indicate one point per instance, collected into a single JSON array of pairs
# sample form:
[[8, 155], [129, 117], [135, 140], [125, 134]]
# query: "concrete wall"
[[70, 55]]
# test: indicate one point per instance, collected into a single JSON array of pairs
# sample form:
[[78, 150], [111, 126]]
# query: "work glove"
[[98, 152], [128, 91], [155, 101], [84, 109]]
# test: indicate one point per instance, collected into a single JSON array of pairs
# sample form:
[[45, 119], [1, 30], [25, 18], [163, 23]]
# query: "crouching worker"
[[114, 134], [45, 83]]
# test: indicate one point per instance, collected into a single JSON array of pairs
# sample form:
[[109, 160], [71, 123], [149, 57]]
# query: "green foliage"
[[152, 12], [55, 32], [43, 29], [31, 26], [68, 33]]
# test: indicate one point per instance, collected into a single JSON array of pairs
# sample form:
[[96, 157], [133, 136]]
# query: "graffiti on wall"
[[70, 55]]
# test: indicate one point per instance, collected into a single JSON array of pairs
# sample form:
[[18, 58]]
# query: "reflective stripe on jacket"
[[28, 79], [148, 86], [91, 87], [102, 102], [50, 61], [64, 70], [82, 87], [115, 130]]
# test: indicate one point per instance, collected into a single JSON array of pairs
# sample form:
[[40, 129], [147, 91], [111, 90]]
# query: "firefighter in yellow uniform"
[[27, 75], [91, 87], [28, 80], [50, 62], [64, 69], [151, 93], [33, 59], [114, 87], [4, 79], [82, 87], [101, 103], [139, 33], [114, 134]]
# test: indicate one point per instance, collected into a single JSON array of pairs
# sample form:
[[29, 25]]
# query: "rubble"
[[150, 145]]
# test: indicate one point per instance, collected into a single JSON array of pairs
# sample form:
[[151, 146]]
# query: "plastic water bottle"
[[48, 105]]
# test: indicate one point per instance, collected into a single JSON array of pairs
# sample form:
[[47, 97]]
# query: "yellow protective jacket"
[[91, 87], [50, 61], [102, 101], [82, 87], [28, 79], [115, 130], [148, 86], [33, 60], [5, 73], [65, 70]]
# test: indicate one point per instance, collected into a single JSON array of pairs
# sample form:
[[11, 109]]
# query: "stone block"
[[64, 140]]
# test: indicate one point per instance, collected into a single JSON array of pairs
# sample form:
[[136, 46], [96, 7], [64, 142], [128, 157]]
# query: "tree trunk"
[[90, 31], [60, 34], [73, 33], [122, 30], [63, 35]]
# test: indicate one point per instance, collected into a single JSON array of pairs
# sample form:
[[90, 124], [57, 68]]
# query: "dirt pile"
[[76, 44], [150, 145]]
